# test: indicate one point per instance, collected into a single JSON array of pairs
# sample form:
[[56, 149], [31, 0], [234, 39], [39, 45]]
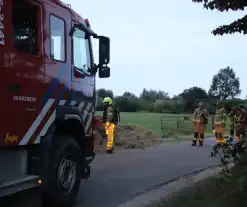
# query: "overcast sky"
[[163, 45]]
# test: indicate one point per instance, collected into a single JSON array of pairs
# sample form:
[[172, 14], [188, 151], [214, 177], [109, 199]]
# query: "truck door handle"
[[14, 88], [29, 109]]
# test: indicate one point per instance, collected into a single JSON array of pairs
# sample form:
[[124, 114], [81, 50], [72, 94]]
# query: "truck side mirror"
[[104, 50], [104, 72]]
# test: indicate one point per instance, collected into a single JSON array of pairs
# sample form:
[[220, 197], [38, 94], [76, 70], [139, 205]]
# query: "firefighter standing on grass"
[[200, 119], [219, 123], [109, 123]]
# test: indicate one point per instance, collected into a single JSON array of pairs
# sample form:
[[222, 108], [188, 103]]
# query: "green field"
[[164, 124], [147, 120]]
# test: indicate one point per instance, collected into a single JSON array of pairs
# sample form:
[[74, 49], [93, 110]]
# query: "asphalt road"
[[120, 177]]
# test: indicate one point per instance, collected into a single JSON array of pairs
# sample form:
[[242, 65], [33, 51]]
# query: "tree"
[[192, 96], [102, 93], [194, 93], [153, 95], [126, 105], [129, 95], [148, 95], [239, 25], [167, 106], [225, 84]]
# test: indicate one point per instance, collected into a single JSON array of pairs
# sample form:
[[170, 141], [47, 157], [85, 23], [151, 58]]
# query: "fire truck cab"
[[48, 98]]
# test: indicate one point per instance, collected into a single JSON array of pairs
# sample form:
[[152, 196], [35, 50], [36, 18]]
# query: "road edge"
[[162, 190]]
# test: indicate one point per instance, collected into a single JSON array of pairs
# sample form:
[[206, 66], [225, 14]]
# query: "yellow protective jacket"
[[108, 114], [220, 116], [200, 115]]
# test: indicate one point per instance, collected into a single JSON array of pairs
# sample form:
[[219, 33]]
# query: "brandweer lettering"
[[1, 24]]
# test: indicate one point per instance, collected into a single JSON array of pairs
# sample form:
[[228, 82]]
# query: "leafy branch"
[[238, 26]]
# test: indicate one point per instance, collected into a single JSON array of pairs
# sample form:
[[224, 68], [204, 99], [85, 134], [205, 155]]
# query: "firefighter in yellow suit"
[[238, 121], [108, 116], [219, 124], [200, 119]]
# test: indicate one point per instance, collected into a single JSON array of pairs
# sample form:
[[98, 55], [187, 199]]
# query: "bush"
[[234, 179]]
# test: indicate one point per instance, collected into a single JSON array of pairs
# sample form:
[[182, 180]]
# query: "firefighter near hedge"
[[111, 119], [200, 120], [219, 123], [238, 122], [232, 121], [234, 144]]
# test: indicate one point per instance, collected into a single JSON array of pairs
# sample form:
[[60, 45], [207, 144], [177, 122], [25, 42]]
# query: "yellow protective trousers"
[[199, 129], [219, 133], [109, 130]]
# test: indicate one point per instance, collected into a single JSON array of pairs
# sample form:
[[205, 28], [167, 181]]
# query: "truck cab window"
[[81, 52], [57, 27], [24, 17]]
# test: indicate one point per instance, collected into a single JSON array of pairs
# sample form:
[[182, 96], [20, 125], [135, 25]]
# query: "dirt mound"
[[128, 137]]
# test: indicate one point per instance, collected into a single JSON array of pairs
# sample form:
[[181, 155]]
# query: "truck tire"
[[64, 173]]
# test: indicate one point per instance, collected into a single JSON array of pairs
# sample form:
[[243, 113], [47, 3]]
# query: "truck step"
[[17, 185], [88, 158]]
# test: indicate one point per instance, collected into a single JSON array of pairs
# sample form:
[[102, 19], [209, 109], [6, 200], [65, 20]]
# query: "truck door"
[[25, 75], [83, 82]]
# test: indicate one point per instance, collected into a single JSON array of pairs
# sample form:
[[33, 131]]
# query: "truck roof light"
[[87, 22]]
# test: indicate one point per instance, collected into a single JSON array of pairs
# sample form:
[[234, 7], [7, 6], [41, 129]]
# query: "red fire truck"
[[48, 98]]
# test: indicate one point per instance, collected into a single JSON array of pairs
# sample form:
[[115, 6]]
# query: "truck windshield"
[[81, 51]]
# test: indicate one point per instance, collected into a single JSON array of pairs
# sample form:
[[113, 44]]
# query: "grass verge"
[[213, 192]]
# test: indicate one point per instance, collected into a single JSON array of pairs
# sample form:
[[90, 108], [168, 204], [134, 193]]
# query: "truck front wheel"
[[62, 182]]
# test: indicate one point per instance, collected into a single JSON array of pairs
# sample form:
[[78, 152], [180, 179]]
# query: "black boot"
[[194, 143], [110, 151], [200, 143]]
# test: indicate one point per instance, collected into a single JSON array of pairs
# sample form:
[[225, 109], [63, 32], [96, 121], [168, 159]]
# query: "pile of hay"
[[128, 137]]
